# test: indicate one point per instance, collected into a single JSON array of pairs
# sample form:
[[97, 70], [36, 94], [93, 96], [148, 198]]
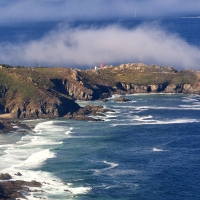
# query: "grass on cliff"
[[110, 76], [17, 85], [26, 82]]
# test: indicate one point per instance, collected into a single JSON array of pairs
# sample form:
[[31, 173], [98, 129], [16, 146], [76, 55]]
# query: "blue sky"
[[20, 10]]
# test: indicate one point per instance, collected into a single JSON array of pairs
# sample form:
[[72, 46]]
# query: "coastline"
[[24, 190], [15, 188], [24, 175]]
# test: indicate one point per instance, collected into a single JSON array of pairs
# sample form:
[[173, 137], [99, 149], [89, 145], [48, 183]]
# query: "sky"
[[36, 10], [88, 46]]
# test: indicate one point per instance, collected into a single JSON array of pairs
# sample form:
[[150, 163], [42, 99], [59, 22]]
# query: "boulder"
[[5, 176]]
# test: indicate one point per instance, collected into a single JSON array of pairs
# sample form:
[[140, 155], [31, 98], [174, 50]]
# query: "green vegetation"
[[146, 76], [29, 83]]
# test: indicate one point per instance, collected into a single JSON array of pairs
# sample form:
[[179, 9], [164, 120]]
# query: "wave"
[[37, 159], [157, 122], [69, 131], [79, 190], [195, 106], [112, 164], [157, 150], [31, 152]]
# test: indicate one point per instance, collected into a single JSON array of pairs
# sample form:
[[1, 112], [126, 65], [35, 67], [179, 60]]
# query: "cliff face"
[[34, 96], [136, 78], [51, 92]]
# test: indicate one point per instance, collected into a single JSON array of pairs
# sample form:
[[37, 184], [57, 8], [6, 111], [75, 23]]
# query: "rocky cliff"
[[139, 78], [51, 92], [33, 93]]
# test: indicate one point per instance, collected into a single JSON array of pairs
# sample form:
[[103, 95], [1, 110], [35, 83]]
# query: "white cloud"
[[111, 44]]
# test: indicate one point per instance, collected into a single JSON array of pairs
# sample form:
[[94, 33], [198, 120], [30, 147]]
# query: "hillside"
[[51, 92]]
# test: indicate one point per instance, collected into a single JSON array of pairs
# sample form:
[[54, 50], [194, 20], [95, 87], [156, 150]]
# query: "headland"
[[41, 92]]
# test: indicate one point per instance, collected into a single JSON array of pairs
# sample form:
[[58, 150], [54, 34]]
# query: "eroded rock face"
[[50, 107], [191, 89]]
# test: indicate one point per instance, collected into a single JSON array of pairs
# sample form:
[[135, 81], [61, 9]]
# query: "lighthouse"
[[101, 65]]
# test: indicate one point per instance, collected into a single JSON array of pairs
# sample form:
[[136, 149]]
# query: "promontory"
[[41, 92]]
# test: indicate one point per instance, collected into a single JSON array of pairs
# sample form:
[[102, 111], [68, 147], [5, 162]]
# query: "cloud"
[[43, 10], [112, 44]]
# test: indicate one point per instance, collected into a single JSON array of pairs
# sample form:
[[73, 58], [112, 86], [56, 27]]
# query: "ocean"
[[147, 149], [16, 33]]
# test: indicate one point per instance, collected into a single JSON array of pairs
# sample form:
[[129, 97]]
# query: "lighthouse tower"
[[101, 65]]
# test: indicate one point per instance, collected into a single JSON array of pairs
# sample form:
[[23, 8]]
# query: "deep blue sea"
[[187, 28], [148, 149]]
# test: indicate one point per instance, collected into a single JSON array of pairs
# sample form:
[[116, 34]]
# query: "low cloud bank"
[[113, 44]]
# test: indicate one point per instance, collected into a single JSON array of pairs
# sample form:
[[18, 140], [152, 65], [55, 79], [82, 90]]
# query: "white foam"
[[15, 126], [79, 190], [156, 149], [32, 152], [144, 108], [188, 100], [37, 159], [190, 106], [153, 122], [112, 164]]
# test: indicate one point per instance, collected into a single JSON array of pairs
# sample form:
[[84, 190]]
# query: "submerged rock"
[[122, 99], [87, 112], [18, 174]]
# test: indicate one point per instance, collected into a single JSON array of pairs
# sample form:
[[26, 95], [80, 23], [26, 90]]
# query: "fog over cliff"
[[112, 44], [89, 46]]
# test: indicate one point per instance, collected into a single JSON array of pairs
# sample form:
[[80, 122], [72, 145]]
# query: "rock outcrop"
[[10, 125], [9, 190], [88, 113]]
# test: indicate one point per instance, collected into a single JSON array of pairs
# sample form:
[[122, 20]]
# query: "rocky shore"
[[12, 190], [88, 113], [7, 125]]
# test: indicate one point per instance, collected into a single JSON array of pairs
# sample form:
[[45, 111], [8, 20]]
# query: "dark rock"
[[5, 176], [104, 100], [86, 118], [9, 190], [18, 174], [121, 99], [7, 126], [82, 113]]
